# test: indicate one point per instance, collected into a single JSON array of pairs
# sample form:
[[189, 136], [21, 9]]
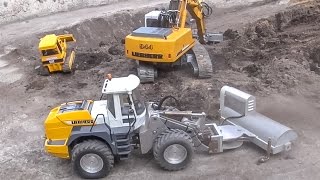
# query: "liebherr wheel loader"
[[167, 40], [95, 133]]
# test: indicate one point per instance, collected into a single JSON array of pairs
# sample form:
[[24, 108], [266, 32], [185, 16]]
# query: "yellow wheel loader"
[[55, 55], [167, 40], [95, 133]]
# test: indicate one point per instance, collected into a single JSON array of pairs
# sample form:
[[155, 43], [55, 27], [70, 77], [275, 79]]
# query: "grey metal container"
[[238, 108]]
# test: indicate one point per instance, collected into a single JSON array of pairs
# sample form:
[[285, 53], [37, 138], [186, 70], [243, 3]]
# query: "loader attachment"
[[67, 38], [238, 108], [240, 122]]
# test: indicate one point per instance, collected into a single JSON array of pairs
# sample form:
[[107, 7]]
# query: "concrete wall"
[[13, 10]]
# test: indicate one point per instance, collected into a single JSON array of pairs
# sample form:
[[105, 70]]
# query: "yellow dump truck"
[[55, 55]]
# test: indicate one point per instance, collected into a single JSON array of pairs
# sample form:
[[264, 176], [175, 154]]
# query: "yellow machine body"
[[164, 50], [168, 39], [173, 46], [59, 125], [54, 53]]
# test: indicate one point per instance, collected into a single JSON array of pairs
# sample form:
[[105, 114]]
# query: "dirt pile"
[[275, 54], [279, 52]]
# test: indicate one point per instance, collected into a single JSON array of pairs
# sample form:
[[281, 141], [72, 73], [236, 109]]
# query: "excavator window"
[[49, 52]]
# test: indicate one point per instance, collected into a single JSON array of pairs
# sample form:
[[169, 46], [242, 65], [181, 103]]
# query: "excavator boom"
[[194, 7]]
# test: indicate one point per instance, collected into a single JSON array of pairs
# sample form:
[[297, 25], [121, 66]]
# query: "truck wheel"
[[92, 159], [173, 149]]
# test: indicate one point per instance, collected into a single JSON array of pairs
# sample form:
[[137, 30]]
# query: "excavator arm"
[[194, 7]]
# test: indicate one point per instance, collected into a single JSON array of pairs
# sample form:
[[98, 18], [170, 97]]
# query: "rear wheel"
[[92, 159], [173, 149]]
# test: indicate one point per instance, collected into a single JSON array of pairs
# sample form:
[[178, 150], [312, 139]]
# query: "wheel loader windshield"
[[137, 101]]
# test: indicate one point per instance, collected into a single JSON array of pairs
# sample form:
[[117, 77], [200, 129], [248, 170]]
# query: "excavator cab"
[[55, 55]]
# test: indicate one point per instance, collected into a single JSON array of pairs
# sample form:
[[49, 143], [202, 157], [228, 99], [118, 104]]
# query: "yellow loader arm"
[[67, 38]]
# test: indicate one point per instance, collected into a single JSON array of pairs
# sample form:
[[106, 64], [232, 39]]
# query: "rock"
[[116, 50], [230, 34]]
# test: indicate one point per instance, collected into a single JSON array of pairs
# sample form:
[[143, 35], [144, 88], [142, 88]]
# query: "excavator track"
[[203, 61], [146, 72]]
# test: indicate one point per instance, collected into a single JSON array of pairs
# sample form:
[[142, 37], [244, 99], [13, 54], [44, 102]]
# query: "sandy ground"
[[271, 58]]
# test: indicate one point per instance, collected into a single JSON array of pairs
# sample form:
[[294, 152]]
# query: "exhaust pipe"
[[239, 108]]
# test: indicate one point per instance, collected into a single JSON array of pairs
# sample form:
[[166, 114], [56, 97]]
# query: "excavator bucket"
[[67, 38], [239, 108]]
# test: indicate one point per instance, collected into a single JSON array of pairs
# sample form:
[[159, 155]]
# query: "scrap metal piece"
[[268, 152]]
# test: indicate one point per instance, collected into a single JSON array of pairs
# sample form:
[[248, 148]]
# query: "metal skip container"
[[239, 108]]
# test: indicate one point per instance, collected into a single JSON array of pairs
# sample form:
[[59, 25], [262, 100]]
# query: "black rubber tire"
[[96, 147], [167, 138]]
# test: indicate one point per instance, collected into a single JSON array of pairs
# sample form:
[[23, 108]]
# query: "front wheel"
[[173, 149], [92, 159]]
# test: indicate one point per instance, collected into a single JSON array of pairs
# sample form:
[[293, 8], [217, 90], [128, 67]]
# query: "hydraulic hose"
[[232, 117], [164, 99], [206, 9]]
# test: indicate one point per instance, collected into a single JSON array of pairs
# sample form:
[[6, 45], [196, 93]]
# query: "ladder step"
[[124, 153], [124, 157], [122, 140], [123, 146]]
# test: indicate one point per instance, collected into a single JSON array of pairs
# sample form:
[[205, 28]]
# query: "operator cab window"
[[110, 102], [138, 104], [49, 52], [125, 104]]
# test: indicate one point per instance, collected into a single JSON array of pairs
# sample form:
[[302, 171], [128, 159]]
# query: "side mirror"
[[131, 111]]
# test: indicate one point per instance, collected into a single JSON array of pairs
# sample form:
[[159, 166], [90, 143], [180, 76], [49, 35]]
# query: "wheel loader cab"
[[123, 102], [117, 110]]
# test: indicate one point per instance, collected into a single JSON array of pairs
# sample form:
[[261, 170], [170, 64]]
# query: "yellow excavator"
[[55, 55], [167, 39]]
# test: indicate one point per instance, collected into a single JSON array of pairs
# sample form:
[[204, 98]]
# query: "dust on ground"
[[275, 58]]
